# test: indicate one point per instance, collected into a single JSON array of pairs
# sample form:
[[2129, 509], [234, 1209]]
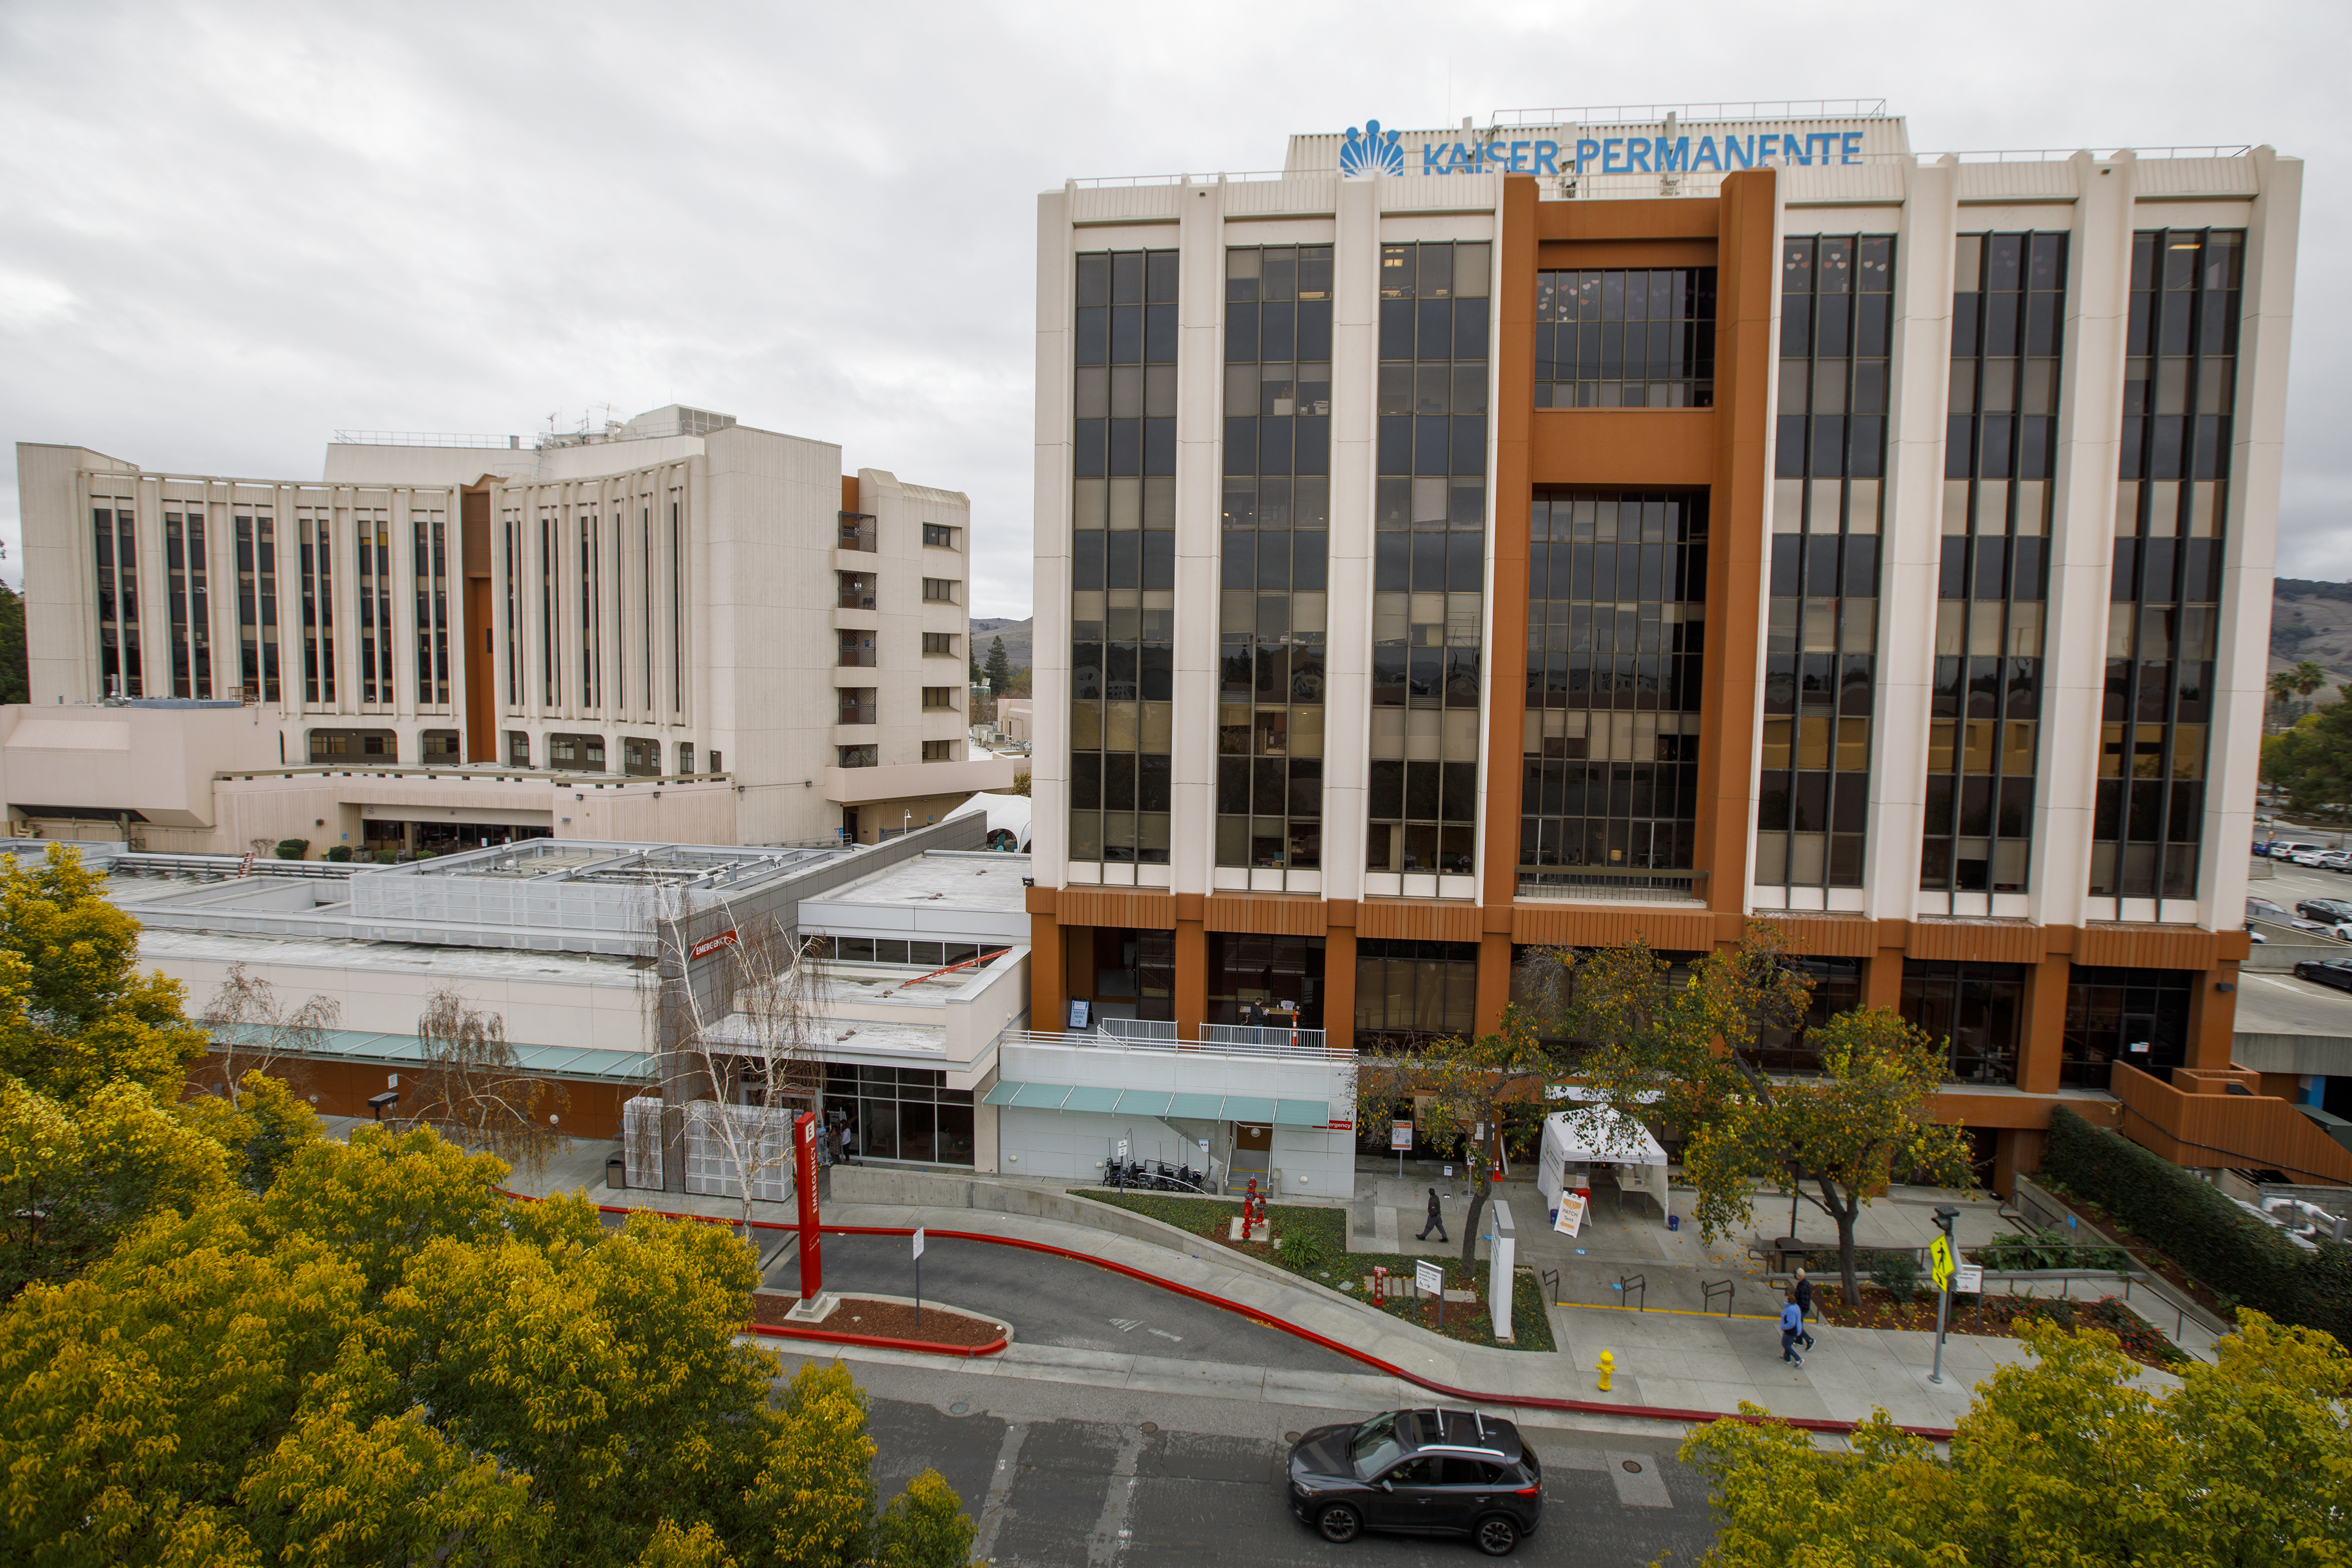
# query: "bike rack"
[[1709, 1289], [1551, 1285], [1631, 1283]]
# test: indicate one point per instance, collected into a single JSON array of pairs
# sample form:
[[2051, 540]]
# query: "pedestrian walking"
[[1436, 1222], [1804, 1296], [1793, 1324]]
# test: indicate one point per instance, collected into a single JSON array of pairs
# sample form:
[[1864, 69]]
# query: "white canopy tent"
[[1593, 1134]]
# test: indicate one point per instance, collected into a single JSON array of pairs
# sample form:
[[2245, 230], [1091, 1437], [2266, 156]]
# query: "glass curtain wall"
[[1123, 557], [2179, 386], [1429, 557], [1837, 988], [1616, 585], [1821, 628], [2009, 313], [188, 602], [256, 604], [1256, 978], [118, 601], [2138, 1016], [429, 533], [1620, 338], [1975, 1011], [374, 531], [1414, 993], [314, 531], [1277, 527]]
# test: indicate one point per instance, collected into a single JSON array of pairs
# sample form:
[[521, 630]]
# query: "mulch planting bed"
[[883, 1320], [2146, 1252], [2001, 1318]]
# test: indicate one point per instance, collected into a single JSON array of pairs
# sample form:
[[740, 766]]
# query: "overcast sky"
[[228, 230]]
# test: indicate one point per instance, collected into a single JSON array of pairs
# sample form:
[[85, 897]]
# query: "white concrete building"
[[451, 636]]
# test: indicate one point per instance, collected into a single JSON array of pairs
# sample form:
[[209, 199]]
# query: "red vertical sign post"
[[806, 1130]]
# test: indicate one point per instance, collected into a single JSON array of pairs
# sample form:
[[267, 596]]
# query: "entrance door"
[[1253, 1139]]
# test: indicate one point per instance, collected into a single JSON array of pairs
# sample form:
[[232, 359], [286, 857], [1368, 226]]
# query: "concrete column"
[[1191, 976], [2266, 319], [1347, 638], [1049, 758], [2082, 547], [1882, 973], [1049, 989], [1911, 541], [1339, 979], [2043, 1047], [1494, 974], [1200, 428], [2213, 1014]]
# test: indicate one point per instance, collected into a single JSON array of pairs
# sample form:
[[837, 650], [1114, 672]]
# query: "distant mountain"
[[2309, 620], [1014, 633]]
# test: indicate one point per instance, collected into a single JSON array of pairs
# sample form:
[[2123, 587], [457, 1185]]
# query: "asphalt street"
[[1060, 1301], [1061, 1474]]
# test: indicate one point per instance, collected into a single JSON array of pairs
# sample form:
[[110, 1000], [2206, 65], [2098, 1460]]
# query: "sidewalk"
[[1666, 1358]]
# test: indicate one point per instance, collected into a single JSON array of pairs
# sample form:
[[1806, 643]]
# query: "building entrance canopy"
[[1157, 1103]]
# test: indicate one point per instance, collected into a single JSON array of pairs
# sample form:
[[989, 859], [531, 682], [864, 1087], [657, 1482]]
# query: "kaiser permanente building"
[[1621, 522]]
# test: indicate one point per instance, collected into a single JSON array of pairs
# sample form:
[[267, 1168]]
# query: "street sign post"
[[1939, 1256], [1400, 1139], [918, 1275], [1431, 1277]]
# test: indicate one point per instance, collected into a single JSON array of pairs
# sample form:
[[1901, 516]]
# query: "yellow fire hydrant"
[[1605, 1364]]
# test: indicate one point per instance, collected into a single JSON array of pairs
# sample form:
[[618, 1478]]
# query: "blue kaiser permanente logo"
[[1370, 151]]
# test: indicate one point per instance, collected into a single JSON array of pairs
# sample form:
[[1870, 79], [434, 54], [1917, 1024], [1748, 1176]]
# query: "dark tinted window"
[[1459, 1472], [1413, 1472]]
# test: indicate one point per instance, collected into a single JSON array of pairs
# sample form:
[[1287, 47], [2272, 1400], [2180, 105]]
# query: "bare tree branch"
[[255, 1032], [473, 1091]]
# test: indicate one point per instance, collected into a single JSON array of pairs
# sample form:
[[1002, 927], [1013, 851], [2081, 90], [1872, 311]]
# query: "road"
[[1062, 1474], [1061, 1301]]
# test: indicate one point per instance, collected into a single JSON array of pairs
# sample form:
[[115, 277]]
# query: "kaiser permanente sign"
[[1569, 150]]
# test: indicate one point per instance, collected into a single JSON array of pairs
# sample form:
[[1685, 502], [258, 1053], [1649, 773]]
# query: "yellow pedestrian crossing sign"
[[1939, 1261]]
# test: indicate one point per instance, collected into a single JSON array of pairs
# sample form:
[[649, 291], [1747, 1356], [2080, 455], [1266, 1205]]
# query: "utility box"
[[1502, 1250]]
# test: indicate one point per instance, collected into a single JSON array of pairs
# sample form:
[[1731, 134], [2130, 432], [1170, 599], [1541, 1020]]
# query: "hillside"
[[1016, 638], [2309, 621]]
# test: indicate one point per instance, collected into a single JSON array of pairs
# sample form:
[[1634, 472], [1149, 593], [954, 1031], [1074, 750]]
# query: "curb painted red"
[[1530, 1401], [776, 1331]]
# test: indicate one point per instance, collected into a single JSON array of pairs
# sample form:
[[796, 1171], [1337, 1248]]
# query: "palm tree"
[[2308, 678], [2282, 686]]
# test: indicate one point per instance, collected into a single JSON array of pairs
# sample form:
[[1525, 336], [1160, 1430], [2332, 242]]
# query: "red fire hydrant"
[[1252, 1210]]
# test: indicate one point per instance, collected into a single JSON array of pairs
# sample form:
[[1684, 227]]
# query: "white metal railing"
[[1140, 1028], [1262, 1035], [1698, 113], [1309, 1046], [1119, 182], [424, 438]]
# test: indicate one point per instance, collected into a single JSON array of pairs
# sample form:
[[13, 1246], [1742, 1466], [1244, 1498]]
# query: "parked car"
[[1419, 1472], [2310, 857], [2337, 972], [2335, 860], [2287, 849], [2312, 927], [2265, 909], [2329, 911]]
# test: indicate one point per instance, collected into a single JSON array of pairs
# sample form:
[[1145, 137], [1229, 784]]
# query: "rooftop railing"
[[424, 438], [1215, 1039]]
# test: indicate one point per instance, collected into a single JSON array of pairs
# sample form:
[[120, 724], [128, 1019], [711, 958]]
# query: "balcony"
[[857, 590], [1215, 1039], [856, 650], [857, 532], [857, 706]]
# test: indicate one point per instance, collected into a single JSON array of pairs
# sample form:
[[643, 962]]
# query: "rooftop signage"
[[1373, 151]]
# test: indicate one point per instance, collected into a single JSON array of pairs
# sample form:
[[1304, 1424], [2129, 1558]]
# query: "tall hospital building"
[[678, 627], [1606, 523]]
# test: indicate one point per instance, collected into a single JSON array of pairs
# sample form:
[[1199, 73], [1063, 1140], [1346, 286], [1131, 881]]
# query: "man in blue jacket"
[[1792, 1323]]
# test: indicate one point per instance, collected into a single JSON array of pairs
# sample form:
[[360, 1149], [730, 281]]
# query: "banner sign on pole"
[[1400, 1135]]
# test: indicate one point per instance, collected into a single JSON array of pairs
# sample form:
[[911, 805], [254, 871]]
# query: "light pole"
[[1942, 1252]]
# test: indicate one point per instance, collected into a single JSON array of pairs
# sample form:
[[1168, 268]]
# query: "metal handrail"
[[1097, 1041], [1710, 1289], [1262, 1034], [1635, 1284]]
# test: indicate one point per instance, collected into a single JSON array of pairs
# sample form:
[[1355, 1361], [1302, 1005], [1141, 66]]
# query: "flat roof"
[[991, 880], [2282, 1004], [389, 958]]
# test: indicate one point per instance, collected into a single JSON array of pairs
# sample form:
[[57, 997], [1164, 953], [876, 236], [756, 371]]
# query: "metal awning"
[[570, 1062], [1159, 1103]]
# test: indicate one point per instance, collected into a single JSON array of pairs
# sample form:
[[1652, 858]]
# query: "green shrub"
[[293, 849], [339, 852], [2055, 1247], [2191, 1222], [1301, 1252], [387, 857], [1897, 1274]]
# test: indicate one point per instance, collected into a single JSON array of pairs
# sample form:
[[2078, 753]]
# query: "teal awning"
[[1041, 1097], [571, 1062], [1198, 1107], [1006, 1088], [1302, 1114], [1091, 1097], [1144, 1101], [1247, 1108]]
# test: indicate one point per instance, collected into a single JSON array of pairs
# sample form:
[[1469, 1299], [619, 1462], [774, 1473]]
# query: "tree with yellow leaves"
[[1686, 1053], [383, 1358], [2067, 1459]]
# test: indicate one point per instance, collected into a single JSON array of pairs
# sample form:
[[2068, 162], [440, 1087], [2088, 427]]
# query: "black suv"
[[2326, 911], [1423, 1472]]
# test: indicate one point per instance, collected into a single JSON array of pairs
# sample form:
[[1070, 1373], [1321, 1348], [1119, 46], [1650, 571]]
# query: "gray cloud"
[[226, 230]]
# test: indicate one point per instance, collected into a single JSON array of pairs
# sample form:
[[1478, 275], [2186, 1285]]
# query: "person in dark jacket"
[[1804, 1295], [1436, 1222], [1792, 1323]]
